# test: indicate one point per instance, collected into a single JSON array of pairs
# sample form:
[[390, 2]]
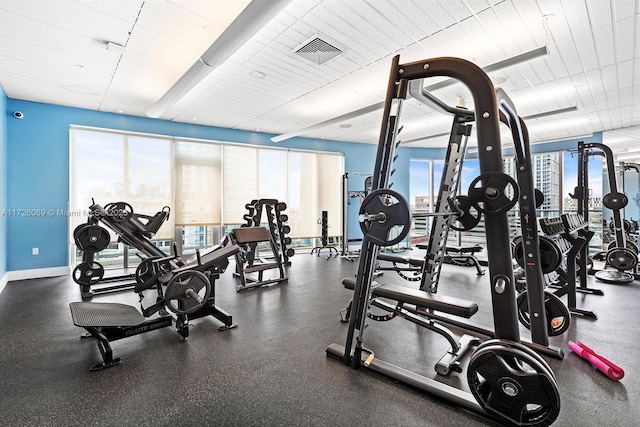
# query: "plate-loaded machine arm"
[[498, 246]]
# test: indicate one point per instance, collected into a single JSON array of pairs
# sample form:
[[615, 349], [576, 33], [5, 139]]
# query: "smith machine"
[[508, 381], [621, 254]]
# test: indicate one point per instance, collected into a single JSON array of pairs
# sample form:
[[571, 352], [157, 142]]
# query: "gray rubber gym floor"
[[272, 370]]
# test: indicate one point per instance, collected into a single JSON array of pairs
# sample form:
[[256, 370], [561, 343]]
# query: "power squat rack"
[[529, 394]]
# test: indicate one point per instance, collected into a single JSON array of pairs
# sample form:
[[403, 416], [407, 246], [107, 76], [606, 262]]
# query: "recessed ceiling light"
[[119, 111], [195, 118], [500, 80], [345, 125], [257, 74]]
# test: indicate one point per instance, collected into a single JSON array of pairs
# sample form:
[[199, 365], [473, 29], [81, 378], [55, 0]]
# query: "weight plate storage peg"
[[92, 238], [385, 217], [512, 386], [87, 273], [493, 193], [558, 315]]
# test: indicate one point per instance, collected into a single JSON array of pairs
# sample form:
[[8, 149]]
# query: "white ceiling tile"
[[599, 12], [605, 45]]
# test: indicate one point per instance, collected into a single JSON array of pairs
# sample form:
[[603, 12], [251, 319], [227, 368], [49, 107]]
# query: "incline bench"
[[189, 293], [422, 300]]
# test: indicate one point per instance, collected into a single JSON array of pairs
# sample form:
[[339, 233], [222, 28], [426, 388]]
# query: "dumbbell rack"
[[276, 219]]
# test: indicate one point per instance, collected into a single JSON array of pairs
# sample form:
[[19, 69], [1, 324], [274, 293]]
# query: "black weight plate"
[[492, 197], [557, 314], [78, 228], [396, 212], [521, 347], [469, 216], [628, 244], [290, 252], [512, 386], [281, 206], [92, 238], [539, 198], [176, 296], [621, 258], [550, 255], [87, 273], [615, 200], [614, 277]]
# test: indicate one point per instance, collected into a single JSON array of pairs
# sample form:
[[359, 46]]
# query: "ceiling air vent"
[[317, 50]]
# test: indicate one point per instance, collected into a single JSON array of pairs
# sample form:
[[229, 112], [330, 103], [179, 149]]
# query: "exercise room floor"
[[272, 370]]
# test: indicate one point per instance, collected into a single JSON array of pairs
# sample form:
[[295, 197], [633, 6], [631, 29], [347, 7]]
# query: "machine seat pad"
[[445, 304], [104, 314], [401, 259], [464, 249]]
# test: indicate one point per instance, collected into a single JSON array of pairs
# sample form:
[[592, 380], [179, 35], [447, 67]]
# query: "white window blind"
[[110, 167], [198, 183], [240, 181], [315, 181]]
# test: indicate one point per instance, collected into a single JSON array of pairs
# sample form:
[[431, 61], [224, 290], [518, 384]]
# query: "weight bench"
[[178, 290], [421, 300], [411, 265], [461, 255], [248, 238]]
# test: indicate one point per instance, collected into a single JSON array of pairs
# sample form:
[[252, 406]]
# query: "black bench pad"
[[209, 259], [464, 249], [450, 305], [401, 259], [104, 314]]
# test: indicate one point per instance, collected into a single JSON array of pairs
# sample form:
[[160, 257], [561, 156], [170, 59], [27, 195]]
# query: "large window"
[[206, 183]]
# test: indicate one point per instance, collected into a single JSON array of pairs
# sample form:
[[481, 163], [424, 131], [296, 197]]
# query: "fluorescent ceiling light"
[[525, 118], [254, 16], [509, 62]]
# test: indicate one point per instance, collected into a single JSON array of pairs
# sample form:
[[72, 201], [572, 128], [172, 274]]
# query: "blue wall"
[[38, 169], [3, 182]]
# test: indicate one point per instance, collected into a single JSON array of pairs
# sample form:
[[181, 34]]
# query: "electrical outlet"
[[35, 251]]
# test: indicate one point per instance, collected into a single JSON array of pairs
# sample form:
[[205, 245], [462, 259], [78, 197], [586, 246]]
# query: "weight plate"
[[92, 238], [615, 201], [393, 217], [78, 228], [290, 252], [468, 216], [539, 198], [281, 206], [557, 314], [87, 273], [497, 193], [513, 386], [187, 292], [621, 258], [628, 244], [550, 255], [521, 347], [614, 277]]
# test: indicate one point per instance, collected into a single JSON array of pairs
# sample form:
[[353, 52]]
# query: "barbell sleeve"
[[372, 217], [193, 294]]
